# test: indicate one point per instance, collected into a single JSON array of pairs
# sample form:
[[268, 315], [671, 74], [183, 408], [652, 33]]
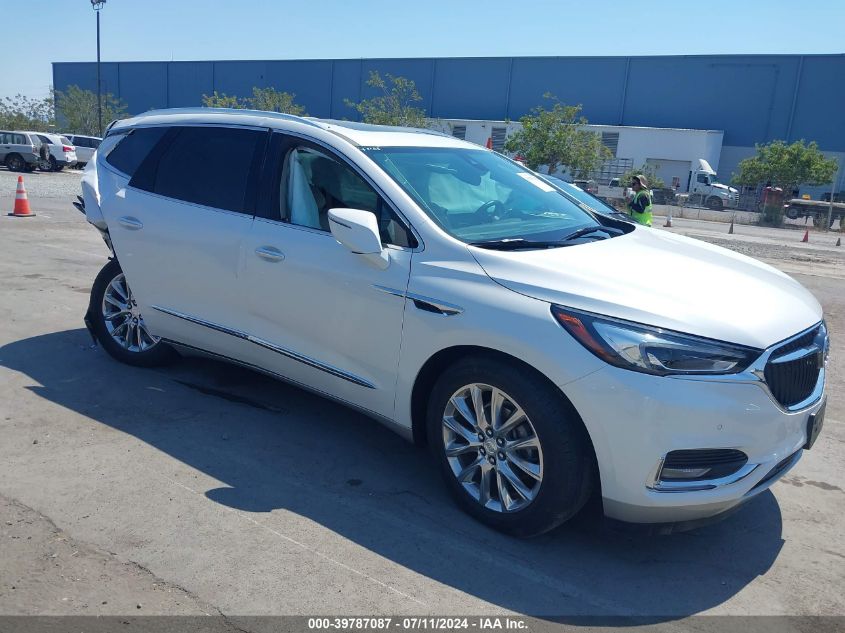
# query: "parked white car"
[[85, 147], [62, 152], [544, 352]]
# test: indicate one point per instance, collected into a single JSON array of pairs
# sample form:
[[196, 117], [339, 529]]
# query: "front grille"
[[793, 381], [720, 462]]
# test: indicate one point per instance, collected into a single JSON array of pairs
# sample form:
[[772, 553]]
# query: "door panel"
[[319, 307], [183, 258]]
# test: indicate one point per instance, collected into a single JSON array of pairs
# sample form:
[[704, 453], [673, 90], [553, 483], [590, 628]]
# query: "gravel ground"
[[41, 184]]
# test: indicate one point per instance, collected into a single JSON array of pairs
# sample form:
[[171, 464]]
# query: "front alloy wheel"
[[512, 450], [492, 448]]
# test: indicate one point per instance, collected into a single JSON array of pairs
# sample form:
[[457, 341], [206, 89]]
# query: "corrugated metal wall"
[[753, 98]]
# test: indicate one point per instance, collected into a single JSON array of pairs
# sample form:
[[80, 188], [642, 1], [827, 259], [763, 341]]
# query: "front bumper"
[[635, 419]]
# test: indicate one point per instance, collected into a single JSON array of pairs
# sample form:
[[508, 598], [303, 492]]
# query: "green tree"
[[785, 166], [77, 110], [394, 106], [267, 99], [555, 138], [222, 100], [274, 101], [654, 181], [27, 113]]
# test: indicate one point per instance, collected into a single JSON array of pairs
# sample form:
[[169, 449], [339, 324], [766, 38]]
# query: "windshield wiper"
[[592, 229], [515, 243]]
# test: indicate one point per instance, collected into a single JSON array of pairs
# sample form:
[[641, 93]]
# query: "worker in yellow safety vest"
[[639, 206]]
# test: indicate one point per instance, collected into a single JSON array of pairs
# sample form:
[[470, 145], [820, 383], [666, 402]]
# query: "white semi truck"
[[705, 188]]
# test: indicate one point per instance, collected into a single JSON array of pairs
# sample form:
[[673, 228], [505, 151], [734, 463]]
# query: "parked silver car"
[[19, 150]]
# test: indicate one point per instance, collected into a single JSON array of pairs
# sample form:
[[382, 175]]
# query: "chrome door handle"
[[131, 223], [269, 253]]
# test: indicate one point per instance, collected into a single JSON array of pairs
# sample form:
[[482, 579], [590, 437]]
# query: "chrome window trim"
[[306, 360], [755, 373], [321, 232]]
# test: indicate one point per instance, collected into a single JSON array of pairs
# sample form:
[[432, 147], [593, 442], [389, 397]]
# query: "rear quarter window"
[[210, 166], [134, 148]]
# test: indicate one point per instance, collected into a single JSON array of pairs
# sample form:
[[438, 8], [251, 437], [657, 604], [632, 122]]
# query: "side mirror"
[[358, 231]]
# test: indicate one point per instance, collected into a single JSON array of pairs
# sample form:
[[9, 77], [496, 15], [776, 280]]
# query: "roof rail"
[[227, 111]]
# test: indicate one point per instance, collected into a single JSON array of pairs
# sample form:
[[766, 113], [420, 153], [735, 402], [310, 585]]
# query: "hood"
[[665, 280], [719, 185]]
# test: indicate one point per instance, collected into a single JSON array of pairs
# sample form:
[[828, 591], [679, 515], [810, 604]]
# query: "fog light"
[[674, 474], [701, 464]]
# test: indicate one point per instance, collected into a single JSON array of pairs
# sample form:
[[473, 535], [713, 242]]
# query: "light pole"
[[97, 5]]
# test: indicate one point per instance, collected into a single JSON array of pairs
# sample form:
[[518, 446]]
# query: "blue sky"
[[264, 29]]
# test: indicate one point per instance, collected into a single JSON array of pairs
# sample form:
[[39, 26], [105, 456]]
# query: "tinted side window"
[[209, 166], [313, 182], [43, 139], [133, 149]]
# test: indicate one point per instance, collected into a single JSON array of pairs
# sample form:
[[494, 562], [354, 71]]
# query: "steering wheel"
[[493, 209]]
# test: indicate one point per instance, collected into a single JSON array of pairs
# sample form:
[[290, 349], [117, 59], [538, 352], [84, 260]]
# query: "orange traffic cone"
[[806, 237], [731, 229], [22, 209], [489, 144]]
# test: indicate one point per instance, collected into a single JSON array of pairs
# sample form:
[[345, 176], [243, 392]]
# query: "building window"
[[611, 141], [499, 136], [459, 131]]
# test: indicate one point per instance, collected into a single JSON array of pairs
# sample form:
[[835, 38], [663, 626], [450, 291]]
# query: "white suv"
[[62, 152], [545, 353], [85, 147]]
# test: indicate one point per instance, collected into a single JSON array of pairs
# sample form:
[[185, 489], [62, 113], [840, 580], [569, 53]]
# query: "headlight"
[[652, 350]]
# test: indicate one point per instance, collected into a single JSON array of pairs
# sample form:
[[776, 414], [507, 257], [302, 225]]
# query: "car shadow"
[[275, 446]]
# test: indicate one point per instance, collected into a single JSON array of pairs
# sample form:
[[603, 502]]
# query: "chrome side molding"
[[305, 360], [428, 304]]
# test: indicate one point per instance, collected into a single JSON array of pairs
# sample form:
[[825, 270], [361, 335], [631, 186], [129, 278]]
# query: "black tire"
[[715, 203], [792, 213], [158, 354], [15, 162], [568, 462]]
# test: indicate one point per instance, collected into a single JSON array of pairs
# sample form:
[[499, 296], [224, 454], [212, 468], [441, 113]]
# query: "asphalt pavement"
[[204, 488]]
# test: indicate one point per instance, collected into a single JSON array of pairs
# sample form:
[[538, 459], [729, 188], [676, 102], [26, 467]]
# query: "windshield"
[[477, 195], [580, 195]]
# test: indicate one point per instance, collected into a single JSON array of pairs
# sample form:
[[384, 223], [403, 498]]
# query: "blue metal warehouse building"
[[752, 98]]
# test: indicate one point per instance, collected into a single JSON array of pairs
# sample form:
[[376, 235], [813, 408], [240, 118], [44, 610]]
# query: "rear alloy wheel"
[[118, 324], [123, 319], [511, 448]]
